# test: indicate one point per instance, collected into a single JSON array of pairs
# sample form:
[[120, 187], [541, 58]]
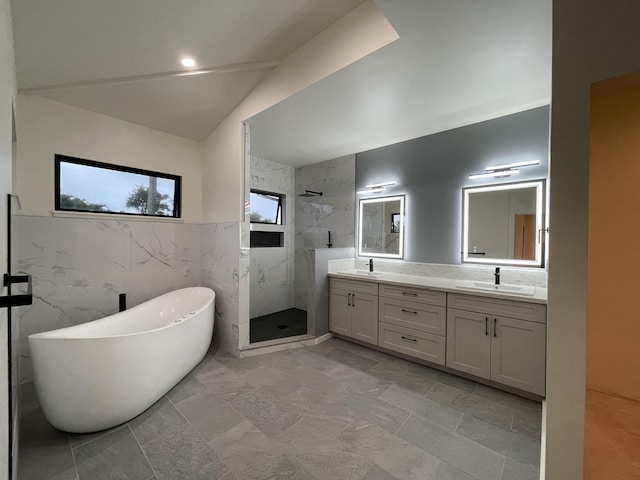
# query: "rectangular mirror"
[[381, 227], [503, 224]]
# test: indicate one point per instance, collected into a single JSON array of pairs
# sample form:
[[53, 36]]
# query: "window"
[[88, 186], [266, 207]]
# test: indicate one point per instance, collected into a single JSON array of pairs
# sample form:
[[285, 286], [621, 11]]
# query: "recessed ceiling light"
[[188, 62]]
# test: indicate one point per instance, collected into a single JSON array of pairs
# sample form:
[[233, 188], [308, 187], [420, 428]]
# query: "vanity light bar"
[[527, 163], [497, 173], [378, 185], [371, 190], [504, 170]]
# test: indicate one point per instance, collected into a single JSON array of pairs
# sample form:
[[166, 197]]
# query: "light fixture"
[[496, 173], [504, 170], [378, 185], [188, 62], [528, 163], [371, 190]]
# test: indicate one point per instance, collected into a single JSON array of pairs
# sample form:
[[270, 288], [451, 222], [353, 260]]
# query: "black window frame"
[[280, 213], [177, 192]]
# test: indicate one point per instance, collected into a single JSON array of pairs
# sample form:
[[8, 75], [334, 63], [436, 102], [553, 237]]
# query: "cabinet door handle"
[[410, 294], [494, 327], [409, 339], [349, 300], [411, 312], [486, 326], [353, 299]]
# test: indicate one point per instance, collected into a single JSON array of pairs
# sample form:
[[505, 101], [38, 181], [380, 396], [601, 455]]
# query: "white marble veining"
[[334, 210], [225, 272], [79, 266], [444, 284], [536, 277], [272, 269], [315, 216]]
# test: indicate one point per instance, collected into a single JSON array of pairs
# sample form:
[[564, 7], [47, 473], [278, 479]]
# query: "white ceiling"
[[456, 62], [119, 57]]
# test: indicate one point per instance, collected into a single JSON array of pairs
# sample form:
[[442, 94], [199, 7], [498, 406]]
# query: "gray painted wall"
[[432, 171]]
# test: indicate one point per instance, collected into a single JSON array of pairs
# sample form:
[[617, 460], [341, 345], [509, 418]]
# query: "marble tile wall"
[[80, 266], [225, 270], [315, 216], [272, 269]]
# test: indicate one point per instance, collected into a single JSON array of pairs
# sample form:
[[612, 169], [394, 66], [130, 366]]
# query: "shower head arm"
[[310, 193]]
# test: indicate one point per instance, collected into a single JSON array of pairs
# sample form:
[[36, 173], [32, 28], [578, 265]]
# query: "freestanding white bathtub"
[[102, 373]]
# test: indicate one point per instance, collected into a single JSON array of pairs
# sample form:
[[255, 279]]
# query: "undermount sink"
[[502, 288], [364, 273]]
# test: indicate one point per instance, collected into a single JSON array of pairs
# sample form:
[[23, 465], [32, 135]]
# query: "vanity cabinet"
[[500, 340], [413, 321], [353, 309]]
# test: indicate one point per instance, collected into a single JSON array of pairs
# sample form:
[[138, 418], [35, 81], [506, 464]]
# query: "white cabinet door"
[[340, 312], [364, 318], [518, 354], [469, 342]]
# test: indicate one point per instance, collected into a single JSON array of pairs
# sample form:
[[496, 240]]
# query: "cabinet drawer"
[[412, 342], [418, 316], [354, 286], [419, 295], [533, 312]]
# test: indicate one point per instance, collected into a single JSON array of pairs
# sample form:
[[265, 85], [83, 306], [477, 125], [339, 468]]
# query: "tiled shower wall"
[[80, 265], [315, 216], [272, 270]]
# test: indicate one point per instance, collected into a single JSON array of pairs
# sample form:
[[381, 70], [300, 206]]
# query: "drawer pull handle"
[[409, 339], [353, 299], [349, 299], [486, 326], [410, 294], [409, 311], [495, 334]]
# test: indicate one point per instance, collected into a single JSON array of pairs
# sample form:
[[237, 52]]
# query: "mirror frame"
[[362, 202], [540, 229]]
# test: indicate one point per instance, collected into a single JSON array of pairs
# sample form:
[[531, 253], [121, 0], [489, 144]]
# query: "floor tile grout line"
[[164, 434], [73, 457], [404, 423], [504, 464], [499, 405], [199, 435], [489, 448], [144, 453], [455, 430], [103, 434], [283, 433], [452, 465]]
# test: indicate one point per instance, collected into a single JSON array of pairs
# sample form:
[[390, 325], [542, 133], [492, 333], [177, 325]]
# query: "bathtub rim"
[[49, 334]]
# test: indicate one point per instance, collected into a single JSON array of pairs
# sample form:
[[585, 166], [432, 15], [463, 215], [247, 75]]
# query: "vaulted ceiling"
[[122, 58], [456, 62]]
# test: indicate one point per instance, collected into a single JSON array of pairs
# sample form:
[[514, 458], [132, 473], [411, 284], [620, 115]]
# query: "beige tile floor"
[[335, 411]]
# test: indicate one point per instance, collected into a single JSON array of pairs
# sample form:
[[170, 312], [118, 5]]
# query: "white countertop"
[[444, 284]]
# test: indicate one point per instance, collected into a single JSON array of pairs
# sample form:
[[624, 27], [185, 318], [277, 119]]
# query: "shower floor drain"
[[282, 327]]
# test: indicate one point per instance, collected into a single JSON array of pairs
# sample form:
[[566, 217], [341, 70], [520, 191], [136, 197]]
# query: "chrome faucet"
[[370, 263], [497, 275]]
